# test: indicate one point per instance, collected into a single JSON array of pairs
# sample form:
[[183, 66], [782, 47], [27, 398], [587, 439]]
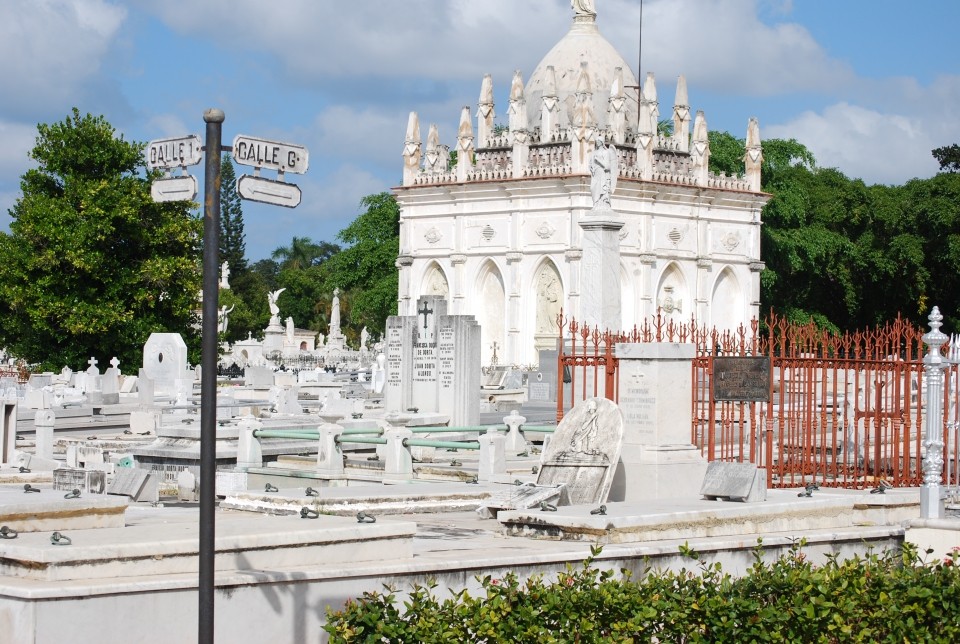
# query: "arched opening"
[[491, 313], [435, 282], [548, 289], [726, 302], [673, 298]]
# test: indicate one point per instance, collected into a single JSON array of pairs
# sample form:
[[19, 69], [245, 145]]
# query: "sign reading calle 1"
[[167, 154]]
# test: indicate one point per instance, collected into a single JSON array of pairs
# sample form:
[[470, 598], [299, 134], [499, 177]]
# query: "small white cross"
[[115, 362], [92, 361]]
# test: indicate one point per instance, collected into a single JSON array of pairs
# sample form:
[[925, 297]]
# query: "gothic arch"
[[490, 305], [435, 281], [673, 296], [726, 301]]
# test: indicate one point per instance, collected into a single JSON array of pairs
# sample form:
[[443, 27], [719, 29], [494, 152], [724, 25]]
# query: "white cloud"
[[723, 46], [863, 143], [167, 125], [18, 140], [436, 39], [51, 49]]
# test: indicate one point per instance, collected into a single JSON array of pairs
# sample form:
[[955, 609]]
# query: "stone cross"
[[92, 362], [424, 311], [115, 362]]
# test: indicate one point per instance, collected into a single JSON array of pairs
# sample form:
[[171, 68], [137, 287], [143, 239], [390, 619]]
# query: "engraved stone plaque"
[[744, 379], [740, 481]]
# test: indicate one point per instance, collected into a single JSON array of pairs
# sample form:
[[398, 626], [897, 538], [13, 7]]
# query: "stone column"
[[398, 463], [457, 295], [933, 367], [44, 422], [329, 455], [512, 326], [249, 452], [8, 429], [648, 286], [573, 257], [702, 303], [515, 441], [403, 264], [755, 269], [600, 271], [493, 459]]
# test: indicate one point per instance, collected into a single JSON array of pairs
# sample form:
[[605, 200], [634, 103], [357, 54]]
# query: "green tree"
[[948, 157], [303, 252], [233, 245], [365, 269], [92, 266]]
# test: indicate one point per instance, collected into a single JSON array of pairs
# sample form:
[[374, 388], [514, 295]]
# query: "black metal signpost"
[[208, 374], [169, 154]]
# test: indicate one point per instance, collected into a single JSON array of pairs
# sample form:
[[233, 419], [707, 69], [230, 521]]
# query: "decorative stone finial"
[[754, 154]]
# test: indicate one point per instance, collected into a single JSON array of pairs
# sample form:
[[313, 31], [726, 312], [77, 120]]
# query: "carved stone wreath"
[[433, 235], [545, 230], [730, 241]]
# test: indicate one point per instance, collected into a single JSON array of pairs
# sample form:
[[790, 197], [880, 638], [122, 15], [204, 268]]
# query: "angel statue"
[[272, 298]]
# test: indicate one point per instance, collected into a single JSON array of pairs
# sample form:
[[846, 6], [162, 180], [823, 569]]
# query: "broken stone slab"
[[734, 482]]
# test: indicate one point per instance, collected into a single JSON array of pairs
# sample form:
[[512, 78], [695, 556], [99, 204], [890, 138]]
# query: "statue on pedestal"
[[604, 168], [583, 7], [225, 275], [335, 313]]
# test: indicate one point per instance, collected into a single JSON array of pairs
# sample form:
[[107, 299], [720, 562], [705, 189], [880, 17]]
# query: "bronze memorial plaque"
[[745, 379]]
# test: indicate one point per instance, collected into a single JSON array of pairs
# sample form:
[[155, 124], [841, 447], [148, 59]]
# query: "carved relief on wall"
[[668, 302], [545, 230], [730, 241], [436, 283], [549, 299]]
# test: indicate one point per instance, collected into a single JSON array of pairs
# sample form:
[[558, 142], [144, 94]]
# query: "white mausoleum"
[[498, 231]]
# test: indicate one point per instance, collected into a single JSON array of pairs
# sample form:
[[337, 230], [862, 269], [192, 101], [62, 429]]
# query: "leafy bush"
[[893, 597]]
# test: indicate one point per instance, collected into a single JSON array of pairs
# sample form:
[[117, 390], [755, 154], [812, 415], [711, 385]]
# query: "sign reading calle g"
[[273, 155]]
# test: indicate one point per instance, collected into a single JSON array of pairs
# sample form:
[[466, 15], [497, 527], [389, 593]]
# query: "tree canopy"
[[92, 266], [948, 157], [846, 254]]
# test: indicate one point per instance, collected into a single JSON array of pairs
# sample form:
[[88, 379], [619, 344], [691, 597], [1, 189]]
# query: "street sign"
[[277, 193], [274, 155], [174, 189], [174, 153]]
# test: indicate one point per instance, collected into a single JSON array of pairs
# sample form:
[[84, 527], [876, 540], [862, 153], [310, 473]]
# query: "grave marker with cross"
[[433, 362]]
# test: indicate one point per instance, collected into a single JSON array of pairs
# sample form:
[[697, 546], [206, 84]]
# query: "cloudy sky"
[[870, 86]]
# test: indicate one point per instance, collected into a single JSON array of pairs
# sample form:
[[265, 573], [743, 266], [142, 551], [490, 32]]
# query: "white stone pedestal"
[[658, 461], [600, 271], [273, 337]]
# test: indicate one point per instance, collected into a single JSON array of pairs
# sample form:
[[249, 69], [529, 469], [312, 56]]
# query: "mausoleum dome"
[[583, 43]]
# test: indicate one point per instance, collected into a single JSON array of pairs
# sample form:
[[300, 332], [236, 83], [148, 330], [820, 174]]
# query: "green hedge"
[[893, 597]]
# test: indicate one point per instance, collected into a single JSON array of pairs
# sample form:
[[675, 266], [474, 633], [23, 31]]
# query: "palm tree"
[[303, 252]]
